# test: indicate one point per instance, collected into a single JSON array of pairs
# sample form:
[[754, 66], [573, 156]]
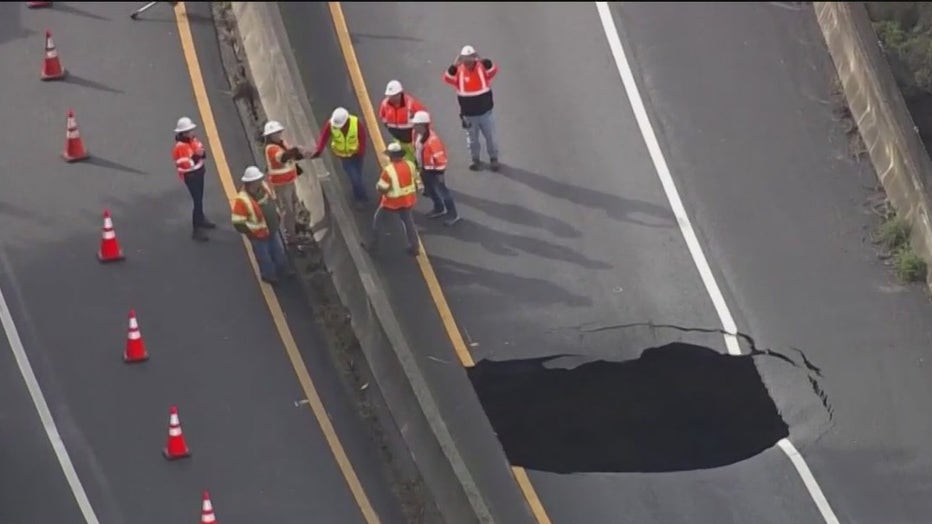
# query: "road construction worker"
[[398, 196], [431, 157], [255, 214], [282, 169], [347, 138], [471, 76], [395, 112], [189, 155]]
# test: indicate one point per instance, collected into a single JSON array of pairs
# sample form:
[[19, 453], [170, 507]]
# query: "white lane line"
[[692, 241], [38, 399]]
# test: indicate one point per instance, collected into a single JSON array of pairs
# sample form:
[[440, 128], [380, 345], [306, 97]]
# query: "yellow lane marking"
[[291, 348], [427, 270]]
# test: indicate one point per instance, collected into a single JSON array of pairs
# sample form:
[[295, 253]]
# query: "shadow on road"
[[513, 291], [677, 407], [507, 244], [516, 214], [11, 27], [616, 207]]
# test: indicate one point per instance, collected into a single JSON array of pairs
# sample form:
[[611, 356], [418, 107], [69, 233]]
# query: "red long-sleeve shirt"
[[324, 138]]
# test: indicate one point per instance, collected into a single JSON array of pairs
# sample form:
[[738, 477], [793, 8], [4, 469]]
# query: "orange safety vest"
[[472, 82], [182, 153], [433, 154], [279, 172], [246, 211], [398, 178], [399, 117]]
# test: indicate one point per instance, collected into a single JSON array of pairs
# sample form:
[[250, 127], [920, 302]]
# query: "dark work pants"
[[405, 216], [438, 192], [195, 183]]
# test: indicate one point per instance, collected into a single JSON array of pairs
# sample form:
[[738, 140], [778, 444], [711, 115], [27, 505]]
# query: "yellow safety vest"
[[345, 145], [253, 218], [395, 189]]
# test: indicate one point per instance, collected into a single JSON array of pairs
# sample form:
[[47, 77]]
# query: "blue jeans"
[[438, 192], [353, 168], [485, 124], [195, 184], [270, 254]]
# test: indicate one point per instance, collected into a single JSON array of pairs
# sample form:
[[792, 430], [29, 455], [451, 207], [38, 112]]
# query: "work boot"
[[207, 224], [199, 235], [436, 213], [476, 165], [452, 219], [493, 164]]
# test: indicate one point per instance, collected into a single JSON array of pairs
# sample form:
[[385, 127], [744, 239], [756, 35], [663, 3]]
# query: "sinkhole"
[[677, 407]]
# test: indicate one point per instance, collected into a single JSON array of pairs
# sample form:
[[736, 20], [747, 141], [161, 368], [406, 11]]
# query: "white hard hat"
[[393, 88], [394, 147], [339, 117], [252, 174], [184, 124], [468, 50], [421, 117], [272, 127]]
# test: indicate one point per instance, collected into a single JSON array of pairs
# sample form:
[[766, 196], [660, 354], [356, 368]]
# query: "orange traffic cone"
[[175, 447], [207, 509], [135, 347], [110, 250], [74, 146], [33, 5], [51, 64]]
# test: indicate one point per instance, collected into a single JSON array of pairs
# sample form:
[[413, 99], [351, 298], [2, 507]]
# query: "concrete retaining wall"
[[389, 356], [877, 106]]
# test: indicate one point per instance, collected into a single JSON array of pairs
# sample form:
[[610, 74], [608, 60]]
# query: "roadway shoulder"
[[407, 352]]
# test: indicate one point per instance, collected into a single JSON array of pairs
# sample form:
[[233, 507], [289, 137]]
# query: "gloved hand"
[[464, 122]]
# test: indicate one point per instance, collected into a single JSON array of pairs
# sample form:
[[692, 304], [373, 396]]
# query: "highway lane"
[[744, 96], [574, 234], [30, 470], [215, 350]]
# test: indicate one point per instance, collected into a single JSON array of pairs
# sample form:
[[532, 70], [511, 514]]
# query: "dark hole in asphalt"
[[677, 407]]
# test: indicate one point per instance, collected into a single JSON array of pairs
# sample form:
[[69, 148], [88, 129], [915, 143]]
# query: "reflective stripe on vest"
[[472, 82], [279, 172], [345, 145], [432, 153], [398, 117], [182, 153], [253, 220], [397, 190]]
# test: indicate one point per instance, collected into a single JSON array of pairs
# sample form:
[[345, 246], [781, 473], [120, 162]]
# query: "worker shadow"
[[519, 215], [11, 27], [110, 164], [511, 290], [507, 244], [85, 82], [71, 10], [356, 38], [616, 207], [677, 407]]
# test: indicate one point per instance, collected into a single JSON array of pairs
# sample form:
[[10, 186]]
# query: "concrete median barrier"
[[877, 106], [278, 89]]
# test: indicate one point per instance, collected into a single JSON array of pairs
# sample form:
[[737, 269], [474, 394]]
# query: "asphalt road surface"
[[749, 125], [574, 247], [215, 350]]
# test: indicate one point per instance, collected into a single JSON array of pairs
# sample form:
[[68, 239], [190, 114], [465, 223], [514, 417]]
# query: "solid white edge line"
[[692, 241], [38, 399]]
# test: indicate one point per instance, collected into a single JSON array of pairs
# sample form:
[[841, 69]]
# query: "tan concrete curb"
[[390, 358], [878, 108]]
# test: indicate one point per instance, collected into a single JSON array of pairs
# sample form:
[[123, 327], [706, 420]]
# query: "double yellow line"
[[427, 271]]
